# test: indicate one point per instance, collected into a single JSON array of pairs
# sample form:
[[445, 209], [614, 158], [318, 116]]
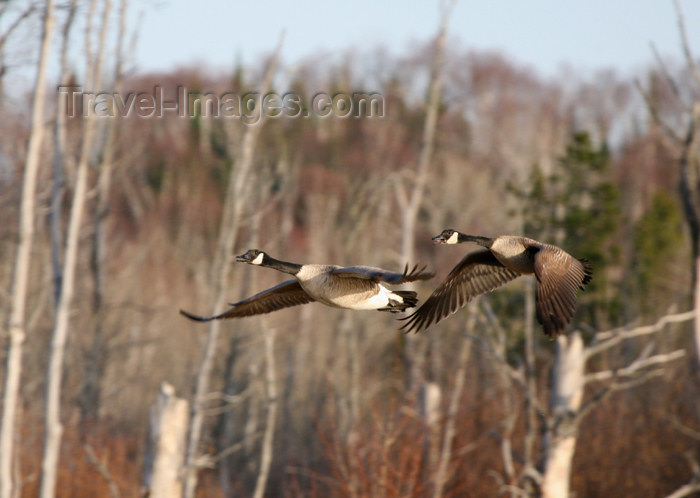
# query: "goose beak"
[[439, 239], [243, 258]]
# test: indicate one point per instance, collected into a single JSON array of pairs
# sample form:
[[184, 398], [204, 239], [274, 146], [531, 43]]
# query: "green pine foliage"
[[657, 237]]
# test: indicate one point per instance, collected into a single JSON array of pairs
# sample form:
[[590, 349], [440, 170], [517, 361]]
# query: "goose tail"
[[408, 299]]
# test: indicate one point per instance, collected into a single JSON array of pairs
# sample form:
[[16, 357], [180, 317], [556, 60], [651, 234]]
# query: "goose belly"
[[361, 300], [356, 294]]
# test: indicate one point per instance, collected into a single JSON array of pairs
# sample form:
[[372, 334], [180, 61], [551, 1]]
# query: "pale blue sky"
[[544, 34]]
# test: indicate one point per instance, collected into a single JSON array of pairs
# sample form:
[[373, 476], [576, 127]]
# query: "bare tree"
[[59, 335], [452, 410], [693, 485], [90, 395], [5, 36], [59, 156], [410, 201], [567, 408], [687, 147], [570, 379], [230, 220], [17, 327]]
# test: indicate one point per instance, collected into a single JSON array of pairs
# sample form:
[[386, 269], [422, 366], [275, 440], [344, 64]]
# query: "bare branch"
[[685, 490], [665, 72], [234, 448], [606, 340], [102, 469], [637, 365], [668, 131], [686, 46], [693, 485], [692, 433], [17, 22]]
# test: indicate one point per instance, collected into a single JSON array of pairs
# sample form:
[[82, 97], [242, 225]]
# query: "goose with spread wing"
[[559, 277], [351, 287]]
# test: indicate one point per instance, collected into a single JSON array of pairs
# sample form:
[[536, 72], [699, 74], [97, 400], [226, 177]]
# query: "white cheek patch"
[[453, 239], [258, 259]]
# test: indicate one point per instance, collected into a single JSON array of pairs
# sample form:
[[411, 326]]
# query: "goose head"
[[447, 236], [450, 236], [252, 257]]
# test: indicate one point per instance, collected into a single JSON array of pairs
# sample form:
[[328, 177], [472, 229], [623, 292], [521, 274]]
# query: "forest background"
[[111, 224]]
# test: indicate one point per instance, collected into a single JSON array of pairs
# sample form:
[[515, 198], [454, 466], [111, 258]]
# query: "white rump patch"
[[378, 300], [454, 238], [258, 259]]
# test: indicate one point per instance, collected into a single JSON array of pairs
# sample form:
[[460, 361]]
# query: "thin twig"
[[692, 65], [102, 469]]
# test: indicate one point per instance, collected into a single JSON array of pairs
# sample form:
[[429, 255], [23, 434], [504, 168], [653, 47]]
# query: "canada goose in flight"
[[352, 287], [559, 276]]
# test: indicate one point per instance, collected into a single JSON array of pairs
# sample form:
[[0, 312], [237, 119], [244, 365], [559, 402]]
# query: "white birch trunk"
[[20, 278], [567, 392], [59, 336], [166, 445]]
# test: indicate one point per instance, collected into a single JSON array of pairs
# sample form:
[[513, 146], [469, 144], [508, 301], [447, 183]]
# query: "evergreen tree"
[[657, 237]]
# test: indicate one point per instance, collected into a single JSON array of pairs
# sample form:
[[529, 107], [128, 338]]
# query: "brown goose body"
[[351, 287], [559, 277]]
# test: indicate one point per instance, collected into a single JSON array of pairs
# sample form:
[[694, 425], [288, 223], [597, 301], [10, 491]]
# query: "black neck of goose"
[[482, 241], [283, 266]]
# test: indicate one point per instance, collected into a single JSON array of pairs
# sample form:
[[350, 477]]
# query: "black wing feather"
[[280, 296], [477, 273], [559, 277]]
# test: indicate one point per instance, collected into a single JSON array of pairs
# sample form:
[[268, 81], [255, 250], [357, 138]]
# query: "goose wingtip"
[[196, 318]]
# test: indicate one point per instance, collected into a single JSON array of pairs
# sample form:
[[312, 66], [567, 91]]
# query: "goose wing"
[[559, 276], [478, 272], [378, 274], [280, 296]]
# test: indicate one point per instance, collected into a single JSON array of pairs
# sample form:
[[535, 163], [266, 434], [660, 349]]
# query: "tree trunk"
[[410, 204], [567, 392], [451, 424], [690, 195], [59, 155], [234, 202], [268, 437], [59, 336], [17, 332], [696, 322], [531, 426], [90, 395], [166, 445]]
